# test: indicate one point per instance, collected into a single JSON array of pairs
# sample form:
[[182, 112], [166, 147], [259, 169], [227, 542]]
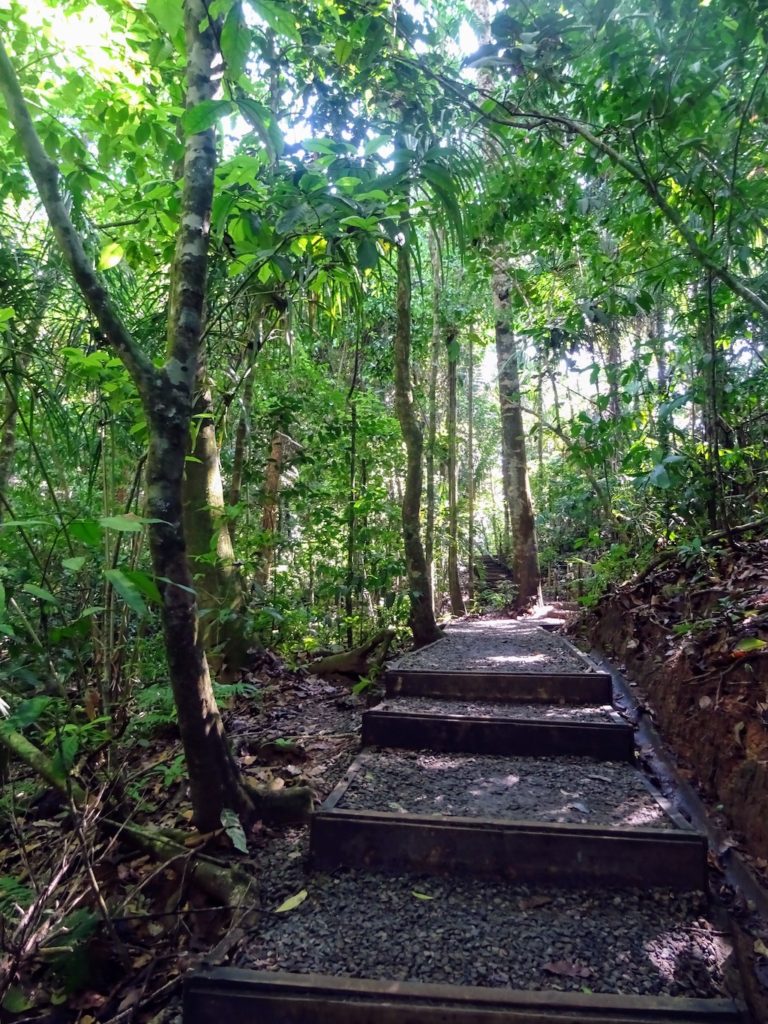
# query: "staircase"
[[454, 717]]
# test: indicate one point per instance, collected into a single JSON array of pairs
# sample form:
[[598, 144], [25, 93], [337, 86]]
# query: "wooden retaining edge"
[[518, 851], [480, 734], [535, 687], [243, 997]]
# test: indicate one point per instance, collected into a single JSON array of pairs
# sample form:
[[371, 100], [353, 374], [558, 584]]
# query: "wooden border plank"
[[518, 737], [242, 997], [529, 687], [519, 851]]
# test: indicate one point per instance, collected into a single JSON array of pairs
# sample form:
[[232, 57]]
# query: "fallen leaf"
[[705, 702], [760, 948], [532, 902], [568, 970], [421, 895], [580, 807], [292, 902]]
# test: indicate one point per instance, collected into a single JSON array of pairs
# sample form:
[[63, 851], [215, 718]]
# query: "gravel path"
[[494, 646], [561, 789], [475, 932], [495, 709]]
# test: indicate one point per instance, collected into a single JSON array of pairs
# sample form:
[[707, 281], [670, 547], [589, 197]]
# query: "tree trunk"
[[422, 617], [471, 470], [454, 588], [209, 544], [280, 446], [525, 560], [352, 499], [166, 394], [254, 345], [434, 363]]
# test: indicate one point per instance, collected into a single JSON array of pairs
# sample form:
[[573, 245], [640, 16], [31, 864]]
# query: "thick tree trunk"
[[209, 546], [454, 587], [525, 560], [422, 617], [166, 395]]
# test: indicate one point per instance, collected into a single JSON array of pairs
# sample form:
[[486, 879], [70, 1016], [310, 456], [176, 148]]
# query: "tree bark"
[[166, 394], [209, 544], [525, 559], [471, 470], [434, 364], [269, 508], [422, 616], [454, 587]]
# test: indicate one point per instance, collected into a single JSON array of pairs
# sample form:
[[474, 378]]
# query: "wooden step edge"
[[497, 735], [529, 687], [521, 852], [242, 997]]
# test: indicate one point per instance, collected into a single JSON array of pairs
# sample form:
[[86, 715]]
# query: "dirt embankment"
[[693, 633]]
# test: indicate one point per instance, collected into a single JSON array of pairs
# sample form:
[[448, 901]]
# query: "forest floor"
[[301, 729]]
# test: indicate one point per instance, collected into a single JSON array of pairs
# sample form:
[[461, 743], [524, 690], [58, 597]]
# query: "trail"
[[494, 853]]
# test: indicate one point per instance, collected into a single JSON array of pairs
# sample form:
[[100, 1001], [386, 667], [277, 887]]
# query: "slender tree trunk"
[[525, 559], [471, 470], [352, 499], [422, 618], [166, 395], [209, 544], [254, 345], [434, 363], [270, 508], [454, 588]]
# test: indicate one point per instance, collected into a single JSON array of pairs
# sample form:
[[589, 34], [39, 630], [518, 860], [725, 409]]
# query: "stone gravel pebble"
[[474, 932], [557, 789], [495, 709], [495, 646]]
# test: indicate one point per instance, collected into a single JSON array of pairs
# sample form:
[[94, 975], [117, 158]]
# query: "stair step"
[[548, 688], [472, 734], [519, 851], [244, 997]]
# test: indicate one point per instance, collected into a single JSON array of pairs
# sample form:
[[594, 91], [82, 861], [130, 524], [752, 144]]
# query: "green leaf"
[[75, 564], [127, 590], [278, 18], [30, 711], [16, 1001], [231, 823], [87, 531], [421, 895], [169, 14], [750, 644], [41, 592], [145, 583], [110, 255], [6, 313], [128, 523], [292, 902], [367, 254], [235, 42], [203, 115]]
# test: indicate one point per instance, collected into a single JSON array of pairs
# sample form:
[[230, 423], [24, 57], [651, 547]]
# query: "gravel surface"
[[495, 709], [562, 789], [475, 932], [495, 646]]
